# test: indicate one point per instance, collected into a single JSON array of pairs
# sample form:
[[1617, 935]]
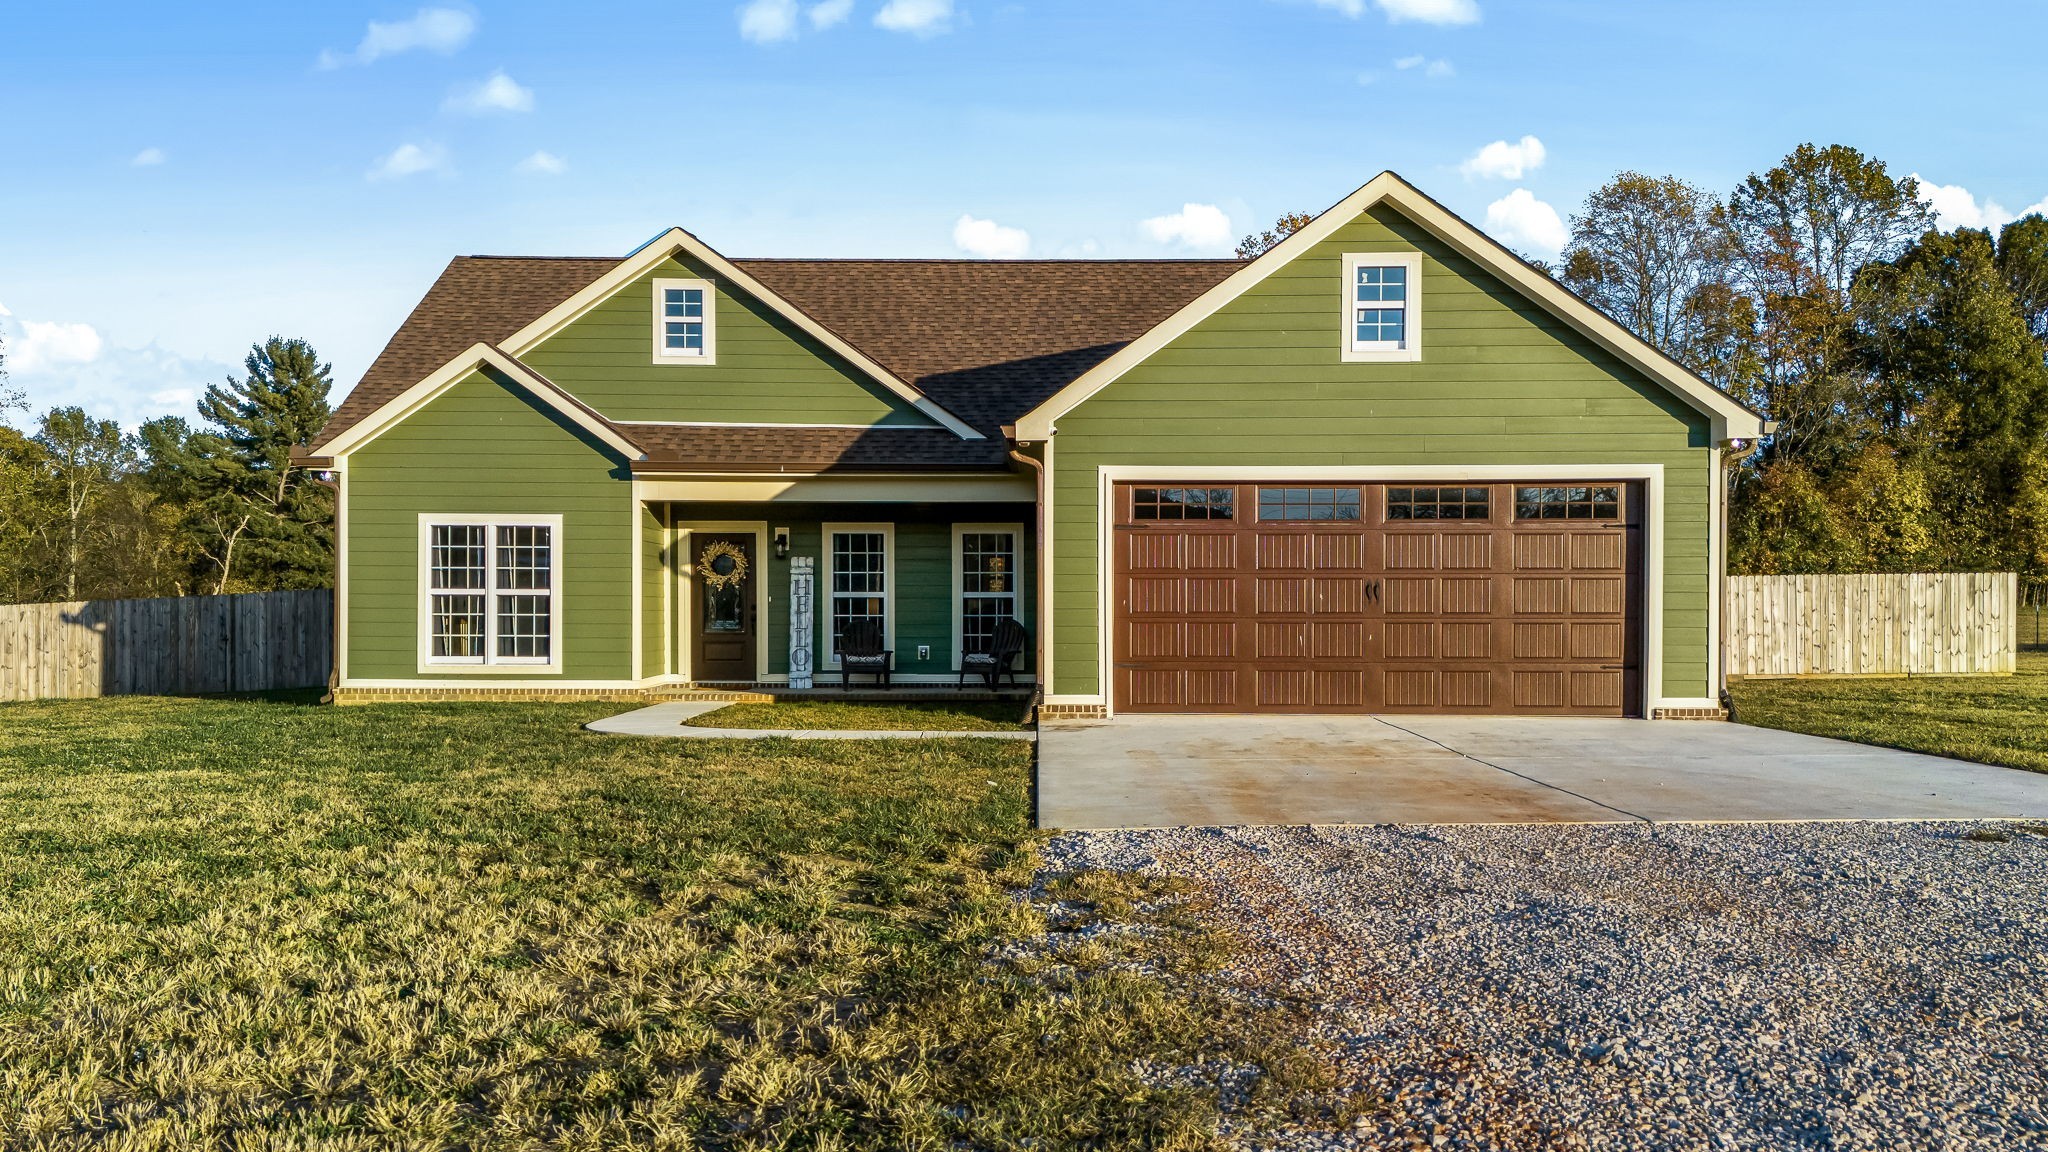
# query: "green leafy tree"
[[83, 461], [1958, 375], [1256, 244], [2023, 258], [23, 464], [1651, 252], [260, 522], [1798, 234]]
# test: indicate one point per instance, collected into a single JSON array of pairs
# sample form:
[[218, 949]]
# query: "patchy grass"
[[256, 923], [854, 716], [1989, 719]]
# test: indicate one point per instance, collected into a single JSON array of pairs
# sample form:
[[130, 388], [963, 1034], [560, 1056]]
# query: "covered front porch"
[[776, 596]]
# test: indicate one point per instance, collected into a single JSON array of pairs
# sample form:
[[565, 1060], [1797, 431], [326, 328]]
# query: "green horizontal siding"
[[1500, 382], [766, 369], [486, 447]]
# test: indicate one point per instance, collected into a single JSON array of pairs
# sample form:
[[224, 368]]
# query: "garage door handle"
[[1372, 591]]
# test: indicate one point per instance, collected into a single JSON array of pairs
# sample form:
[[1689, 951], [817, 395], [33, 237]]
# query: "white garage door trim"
[[1650, 475]]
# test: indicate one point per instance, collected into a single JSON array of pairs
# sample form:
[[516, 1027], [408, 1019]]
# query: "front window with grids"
[[988, 586], [684, 327], [1379, 308], [1437, 504], [860, 584], [1569, 502], [491, 593], [1281, 504], [1183, 503]]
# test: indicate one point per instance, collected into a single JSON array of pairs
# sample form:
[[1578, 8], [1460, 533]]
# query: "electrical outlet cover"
[[924, 651]]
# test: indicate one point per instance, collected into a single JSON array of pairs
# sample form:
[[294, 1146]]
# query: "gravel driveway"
[[1822, 985]]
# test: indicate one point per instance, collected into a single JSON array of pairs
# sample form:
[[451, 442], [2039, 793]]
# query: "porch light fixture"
[[781, 543]]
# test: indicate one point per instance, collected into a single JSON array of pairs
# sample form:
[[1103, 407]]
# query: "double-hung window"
[[1382, 306], [859, 583], [985, 570], [488, 591], [685, 322]]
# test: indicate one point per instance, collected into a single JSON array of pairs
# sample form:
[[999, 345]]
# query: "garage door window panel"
[[1569, 502], [1293, 505], [1183, 503]]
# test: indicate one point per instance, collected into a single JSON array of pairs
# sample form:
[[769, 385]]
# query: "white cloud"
[[1501, 160], [1201, 227], [441, 30], [917, 17], [148, 158], [545, 163], [1434, 69], [1431, 11], [1954, 207], [500, 93], [61, 364], [1420, 11], [990, 240], [410, 160], [1521, 221], [40, 344], [768, 21], [830, 12]]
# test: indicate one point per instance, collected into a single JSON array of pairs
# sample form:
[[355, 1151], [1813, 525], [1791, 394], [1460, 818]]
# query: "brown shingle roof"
[[767, 448], [988, 340]]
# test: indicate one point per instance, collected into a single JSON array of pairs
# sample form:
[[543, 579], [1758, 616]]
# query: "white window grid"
[[490, 592], [988, 584], [858, 582], [1382, 292], [685, 323]]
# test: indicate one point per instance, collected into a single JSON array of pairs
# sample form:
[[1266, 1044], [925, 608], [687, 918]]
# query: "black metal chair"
[[861, 652], [1005, 644]]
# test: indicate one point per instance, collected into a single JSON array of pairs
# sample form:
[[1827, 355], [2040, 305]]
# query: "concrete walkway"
[[668, 720], [1165, 771]]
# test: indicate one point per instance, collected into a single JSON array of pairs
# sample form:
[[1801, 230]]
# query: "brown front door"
[[1424, 597], [723, 578]]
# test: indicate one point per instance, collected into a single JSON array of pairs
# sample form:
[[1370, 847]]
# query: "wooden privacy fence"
[[1907, 624], [175, 646]]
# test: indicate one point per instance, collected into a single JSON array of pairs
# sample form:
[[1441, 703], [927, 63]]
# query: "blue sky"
[[182, 181]]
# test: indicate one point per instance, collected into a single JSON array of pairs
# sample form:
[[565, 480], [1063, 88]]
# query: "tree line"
[[173, 508], [1906, 368]]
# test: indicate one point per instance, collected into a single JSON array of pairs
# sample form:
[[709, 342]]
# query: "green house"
[[1387, 466]]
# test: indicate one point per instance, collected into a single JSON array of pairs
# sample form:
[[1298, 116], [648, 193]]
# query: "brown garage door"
[[1378, 598]]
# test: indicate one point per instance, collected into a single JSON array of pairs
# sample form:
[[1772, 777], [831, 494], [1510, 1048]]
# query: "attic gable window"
[[1382, 306], [685, 322]]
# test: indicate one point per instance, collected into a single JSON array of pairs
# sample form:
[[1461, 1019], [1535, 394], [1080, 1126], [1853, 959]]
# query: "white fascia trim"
[[394, 411], [1056, 698], [1688, 702], [424, 682], [1411, 309], [341, 560], [1730, 419], [1651, 476], [650, 255]]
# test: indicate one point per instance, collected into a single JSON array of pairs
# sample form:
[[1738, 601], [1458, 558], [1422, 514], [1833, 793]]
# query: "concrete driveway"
[[1164, 771]]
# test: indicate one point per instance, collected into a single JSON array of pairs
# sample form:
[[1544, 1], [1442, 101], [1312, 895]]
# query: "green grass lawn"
[[260, 923], [895, 716], [1990, 719]]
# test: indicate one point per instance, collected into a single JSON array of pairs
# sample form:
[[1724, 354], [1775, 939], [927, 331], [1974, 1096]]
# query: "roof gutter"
[[1039, 673]]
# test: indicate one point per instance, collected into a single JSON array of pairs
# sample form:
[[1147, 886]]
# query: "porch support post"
[[800, 623]]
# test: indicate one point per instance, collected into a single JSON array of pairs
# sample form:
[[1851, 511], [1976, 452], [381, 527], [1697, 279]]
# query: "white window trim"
[[492, 664], [960, 531], [1349, 349], [661, 353], [829, 655]]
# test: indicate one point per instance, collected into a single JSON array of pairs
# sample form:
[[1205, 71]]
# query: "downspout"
[[1733, 453], [1039, 570]]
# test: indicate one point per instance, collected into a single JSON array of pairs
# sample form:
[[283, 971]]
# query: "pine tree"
[[263, 523]]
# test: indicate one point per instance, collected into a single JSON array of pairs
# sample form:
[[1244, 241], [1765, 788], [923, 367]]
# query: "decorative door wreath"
[[722, 565]]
